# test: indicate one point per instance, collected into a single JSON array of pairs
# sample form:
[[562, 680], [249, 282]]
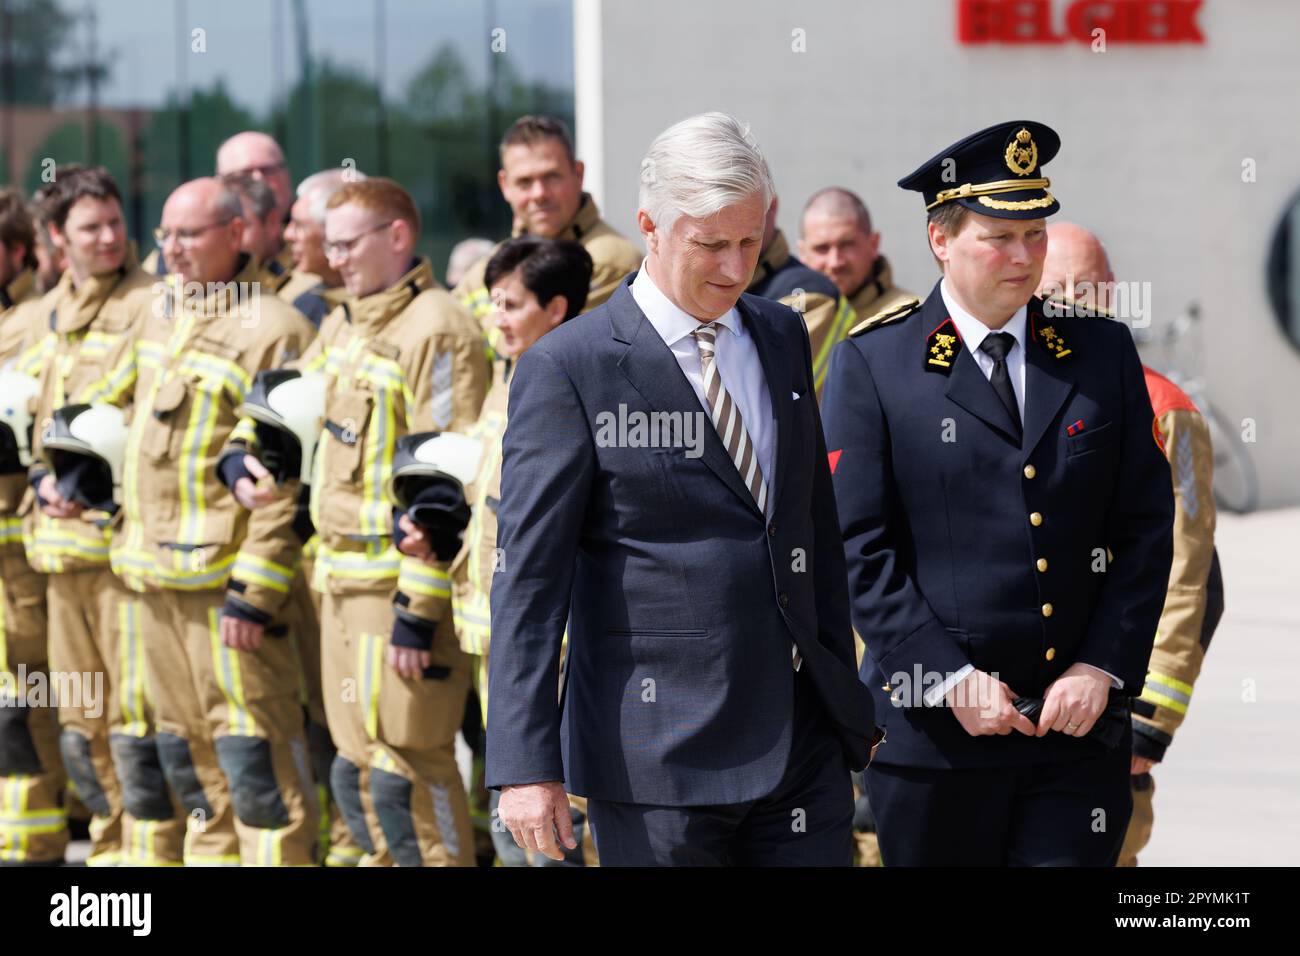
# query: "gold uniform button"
[[1035, 519], [886, 688], [1030, 471], [1047, 610], [1051, 653], [1041, 564]]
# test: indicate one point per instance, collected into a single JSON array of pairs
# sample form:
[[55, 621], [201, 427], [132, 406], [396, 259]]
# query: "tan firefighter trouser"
[[109, 747], [230, 733], [335, 839], [1143, 820], [33, 821], [398, 734]]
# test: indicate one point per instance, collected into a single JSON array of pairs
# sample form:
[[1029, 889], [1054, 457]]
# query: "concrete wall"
[[1153, 141]]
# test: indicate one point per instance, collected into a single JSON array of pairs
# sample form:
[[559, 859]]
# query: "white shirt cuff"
[[934, 696]]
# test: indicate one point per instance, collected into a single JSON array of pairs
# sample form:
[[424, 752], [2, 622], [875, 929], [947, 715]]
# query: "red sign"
[[1123, 21]]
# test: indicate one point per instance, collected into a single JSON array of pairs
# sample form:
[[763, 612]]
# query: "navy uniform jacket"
[[682, 601], [963, 546]]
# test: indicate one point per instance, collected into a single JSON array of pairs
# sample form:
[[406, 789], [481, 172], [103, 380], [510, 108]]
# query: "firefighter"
[[401, 357], [213, 586], [100, 305], [33, 820]]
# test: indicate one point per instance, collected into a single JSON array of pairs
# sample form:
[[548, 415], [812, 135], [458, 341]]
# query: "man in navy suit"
[[666, 498], [1007, 519]]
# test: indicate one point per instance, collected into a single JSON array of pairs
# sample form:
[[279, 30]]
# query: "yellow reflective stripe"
[[225, 664], [839, 328], [357, 565], [1171, 682], [110, 858], [371, 659], [245, 431], [478, 301], [11, 530], [416, 577], [254, 570], [198, 435], [343, 856], [472, 619], [231, 374], [268, 847], [318, 361], [31, 361], [376, 512], [381, 759], [113, 385], [131, 670]]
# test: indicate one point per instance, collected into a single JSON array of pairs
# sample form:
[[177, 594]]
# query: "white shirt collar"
[[670, 321], [973, 331]]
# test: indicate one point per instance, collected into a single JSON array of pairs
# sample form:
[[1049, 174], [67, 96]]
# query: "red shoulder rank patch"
[[834, 458]]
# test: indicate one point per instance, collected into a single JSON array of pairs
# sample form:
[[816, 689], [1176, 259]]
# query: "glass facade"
[[418, 90]]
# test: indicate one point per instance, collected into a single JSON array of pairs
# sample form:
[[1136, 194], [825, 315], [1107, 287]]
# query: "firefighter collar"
[[774, 257], [584, 221], [375, 311], [77, 306], [15, 291]]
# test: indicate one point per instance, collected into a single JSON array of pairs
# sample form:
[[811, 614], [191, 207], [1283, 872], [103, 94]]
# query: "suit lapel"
[[652, 369], [1048, 381], [776, 370]]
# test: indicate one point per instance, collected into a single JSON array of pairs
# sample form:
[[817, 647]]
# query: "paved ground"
[[1228, 790]]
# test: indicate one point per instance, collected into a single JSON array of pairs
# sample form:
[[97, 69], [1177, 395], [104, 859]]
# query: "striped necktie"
[[726, 418]]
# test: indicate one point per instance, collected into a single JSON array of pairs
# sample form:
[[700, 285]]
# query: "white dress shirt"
[[972, 332], [735, 355], [738, 362]]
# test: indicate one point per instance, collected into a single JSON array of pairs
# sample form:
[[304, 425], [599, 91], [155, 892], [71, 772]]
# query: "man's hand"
[[1074, 701], [255, 493], [535, 813], [56, 506], [240, 634], [982, 705], [408, 661], [1141, 765], [415, 544]]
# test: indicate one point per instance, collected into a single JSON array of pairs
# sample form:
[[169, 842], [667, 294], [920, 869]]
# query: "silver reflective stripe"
[[446, 820], [442, 403], [1164, 690]]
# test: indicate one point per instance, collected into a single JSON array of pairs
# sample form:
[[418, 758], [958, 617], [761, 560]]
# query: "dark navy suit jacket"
[[681, 599], [936, 501]]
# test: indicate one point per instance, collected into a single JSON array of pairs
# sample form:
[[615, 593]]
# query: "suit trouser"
[[33, 820], [1144, 818], [1061, 814], [230, 732], [108, 744], [807, 820], [335, 843], [395, 774]]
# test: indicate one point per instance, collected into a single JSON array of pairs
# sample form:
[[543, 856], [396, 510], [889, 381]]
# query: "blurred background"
[[409, 89]]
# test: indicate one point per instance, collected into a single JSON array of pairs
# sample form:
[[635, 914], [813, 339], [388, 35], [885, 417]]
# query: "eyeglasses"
[[342, 248], [251, 171], [185, 237]]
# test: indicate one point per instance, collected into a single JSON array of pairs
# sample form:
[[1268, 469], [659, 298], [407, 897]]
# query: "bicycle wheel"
[[1236, 489]]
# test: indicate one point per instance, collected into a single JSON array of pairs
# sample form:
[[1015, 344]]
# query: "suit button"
[[1035, 519], [783, 599], [771, 530], [1030, 471], [1047, 610], [1051, 653], [1041, 564]]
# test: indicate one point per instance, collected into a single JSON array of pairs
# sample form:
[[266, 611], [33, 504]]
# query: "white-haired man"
[[711, 710], [313, 280]]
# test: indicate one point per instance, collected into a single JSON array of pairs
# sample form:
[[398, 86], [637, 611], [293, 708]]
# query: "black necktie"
[[997, 345]]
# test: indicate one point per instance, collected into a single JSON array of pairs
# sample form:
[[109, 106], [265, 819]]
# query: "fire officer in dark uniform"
[[1007, 517]]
